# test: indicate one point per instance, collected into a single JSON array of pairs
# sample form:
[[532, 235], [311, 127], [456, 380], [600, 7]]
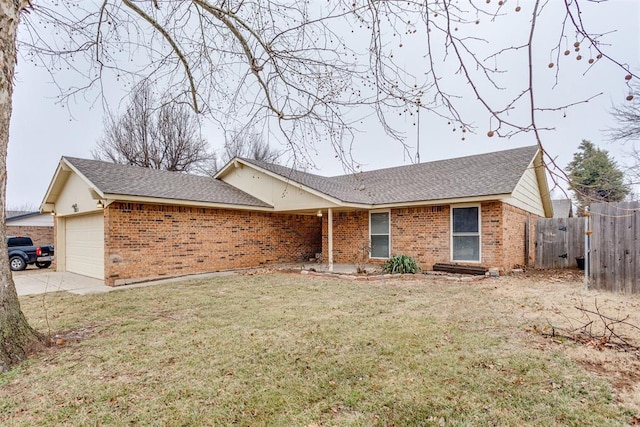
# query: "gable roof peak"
[[129, 180]]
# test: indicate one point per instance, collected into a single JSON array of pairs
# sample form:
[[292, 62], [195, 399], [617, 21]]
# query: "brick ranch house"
[[125, 224]]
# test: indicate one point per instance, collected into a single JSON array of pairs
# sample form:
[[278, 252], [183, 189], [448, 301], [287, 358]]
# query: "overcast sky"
[[42, 131]]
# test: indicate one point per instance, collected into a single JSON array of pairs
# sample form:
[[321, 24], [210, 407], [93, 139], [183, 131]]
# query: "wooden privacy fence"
[[558, 242], [615, 247]]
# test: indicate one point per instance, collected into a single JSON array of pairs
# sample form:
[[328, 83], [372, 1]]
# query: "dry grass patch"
[[285, 349]]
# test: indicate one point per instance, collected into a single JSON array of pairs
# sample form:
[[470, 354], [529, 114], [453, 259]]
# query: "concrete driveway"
[[33, 281]]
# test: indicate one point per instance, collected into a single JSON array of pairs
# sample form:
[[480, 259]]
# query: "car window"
[[19, 241]]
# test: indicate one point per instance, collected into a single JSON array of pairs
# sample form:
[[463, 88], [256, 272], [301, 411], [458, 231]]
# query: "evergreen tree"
[[595, 176]]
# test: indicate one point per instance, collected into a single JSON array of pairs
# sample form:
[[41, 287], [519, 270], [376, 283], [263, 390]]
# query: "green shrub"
[[400, 264]]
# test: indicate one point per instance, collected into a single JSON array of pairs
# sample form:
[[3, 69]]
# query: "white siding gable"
[[527, 195], [283, 196], [75, 192]]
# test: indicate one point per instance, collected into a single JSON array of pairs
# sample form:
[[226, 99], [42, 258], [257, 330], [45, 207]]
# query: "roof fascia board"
[[64, 167], [543, 184], [223, 171], [47, 207], [110, 198], [287, 181], [60, 169], [476, 199], [91, 185]]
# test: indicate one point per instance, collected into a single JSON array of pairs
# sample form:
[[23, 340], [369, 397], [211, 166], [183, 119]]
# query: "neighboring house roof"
[[472, 176], [34, 219], [562, 208], [20, 214], [109, 179]]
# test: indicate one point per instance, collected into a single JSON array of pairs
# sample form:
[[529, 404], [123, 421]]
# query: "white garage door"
[[85, 245]]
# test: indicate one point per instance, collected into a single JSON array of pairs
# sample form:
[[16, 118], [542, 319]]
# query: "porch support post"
[[330, 237]]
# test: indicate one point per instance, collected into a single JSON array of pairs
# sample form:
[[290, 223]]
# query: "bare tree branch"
[[309, 72], [159, 137]]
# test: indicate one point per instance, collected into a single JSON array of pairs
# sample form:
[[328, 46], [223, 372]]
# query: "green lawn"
[[293, 350]]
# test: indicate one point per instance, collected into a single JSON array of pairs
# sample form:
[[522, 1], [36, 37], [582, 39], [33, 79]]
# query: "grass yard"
[[292, 350]]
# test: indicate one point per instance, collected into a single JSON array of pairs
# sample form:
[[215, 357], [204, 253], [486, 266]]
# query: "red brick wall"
[[350, 237], [514, 224], [424, 233], [492, 234], [39, 235], [154, 240], [421, 232]]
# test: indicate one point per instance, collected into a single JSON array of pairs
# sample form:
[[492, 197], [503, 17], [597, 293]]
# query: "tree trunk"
[[17, 338]]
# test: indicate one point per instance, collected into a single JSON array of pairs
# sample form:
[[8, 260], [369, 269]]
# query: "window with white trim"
[[465, 233], [379, 234]]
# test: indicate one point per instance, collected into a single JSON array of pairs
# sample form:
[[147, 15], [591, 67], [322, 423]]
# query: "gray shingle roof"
[[112, 178], [479, 175], [472, 176]]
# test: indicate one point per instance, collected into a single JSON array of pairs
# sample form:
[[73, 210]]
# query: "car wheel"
[[17, 263], [43, 264]]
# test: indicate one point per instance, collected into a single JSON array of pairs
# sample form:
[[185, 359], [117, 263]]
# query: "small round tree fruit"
[[490, 133], [551, 64], [629, 97], [576, 44], [627, 77], [567, 52], [598, 56], [591, 60], [518, 8], [579, 57]]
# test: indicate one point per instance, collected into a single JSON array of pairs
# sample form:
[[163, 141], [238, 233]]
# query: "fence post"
[[586, 248]]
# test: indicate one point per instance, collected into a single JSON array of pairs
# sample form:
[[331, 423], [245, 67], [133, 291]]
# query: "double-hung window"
[[465, 233], [379, 234]]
